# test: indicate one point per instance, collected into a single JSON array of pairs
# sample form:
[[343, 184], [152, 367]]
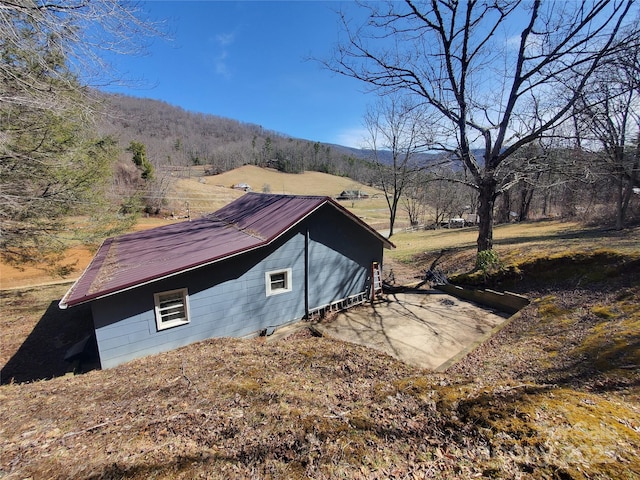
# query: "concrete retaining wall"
[[504, 301]]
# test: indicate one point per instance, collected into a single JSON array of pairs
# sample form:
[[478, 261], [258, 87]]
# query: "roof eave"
[[152, 279], [63, 304]]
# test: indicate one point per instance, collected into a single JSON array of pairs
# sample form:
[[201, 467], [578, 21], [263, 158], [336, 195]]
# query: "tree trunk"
[[486, 201], [626, 190], [393, 210], [392, 220], [526, 196], [620, 202], [504, 209]]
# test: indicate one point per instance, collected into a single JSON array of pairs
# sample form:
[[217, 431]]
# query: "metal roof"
[[250, 222]]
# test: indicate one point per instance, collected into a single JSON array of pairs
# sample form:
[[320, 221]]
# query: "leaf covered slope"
[[554, 394]]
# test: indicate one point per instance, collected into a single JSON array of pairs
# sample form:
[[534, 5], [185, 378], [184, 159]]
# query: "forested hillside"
[[174, 137]]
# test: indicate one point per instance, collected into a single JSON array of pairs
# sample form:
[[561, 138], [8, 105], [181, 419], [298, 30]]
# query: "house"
[[259, 263], [352, 195]]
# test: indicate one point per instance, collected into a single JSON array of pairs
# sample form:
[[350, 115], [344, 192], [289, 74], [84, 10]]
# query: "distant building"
[[352, 194], [471, 219], [260, 262]]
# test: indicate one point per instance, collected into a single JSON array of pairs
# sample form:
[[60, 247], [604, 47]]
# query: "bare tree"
[[414, 201], [397, 135], [501, 74], [64, 44], [446, 196], [609, 109]]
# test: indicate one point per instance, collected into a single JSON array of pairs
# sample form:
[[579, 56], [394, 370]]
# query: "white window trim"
[[173, 323], [288, 279]]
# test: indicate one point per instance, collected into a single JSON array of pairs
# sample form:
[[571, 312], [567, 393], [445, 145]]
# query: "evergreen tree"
[[139, 152], [51, 163]]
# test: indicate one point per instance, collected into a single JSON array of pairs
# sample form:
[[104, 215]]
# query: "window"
[[172, 308], [278, 281]]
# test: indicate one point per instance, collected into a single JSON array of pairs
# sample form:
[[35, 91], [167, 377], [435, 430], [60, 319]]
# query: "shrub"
[[487, 260]]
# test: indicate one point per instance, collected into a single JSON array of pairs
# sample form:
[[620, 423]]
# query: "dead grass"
[[307, 183], [515, 239], [207, 194], [190, 413], [560, 386], [554, 395]]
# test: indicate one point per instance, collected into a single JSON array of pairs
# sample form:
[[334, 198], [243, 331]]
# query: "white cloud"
[[513, 42], [352, 137], [534, 43], [225, 39], [221, 65]]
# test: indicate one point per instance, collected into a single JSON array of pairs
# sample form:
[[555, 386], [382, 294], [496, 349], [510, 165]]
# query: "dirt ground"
[[12, 277], [28, 276]]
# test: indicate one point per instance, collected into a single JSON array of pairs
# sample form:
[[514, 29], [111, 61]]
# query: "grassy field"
[[515, 239], [207, 194]]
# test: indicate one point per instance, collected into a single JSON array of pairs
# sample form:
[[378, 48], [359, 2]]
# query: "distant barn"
[[259, 263]]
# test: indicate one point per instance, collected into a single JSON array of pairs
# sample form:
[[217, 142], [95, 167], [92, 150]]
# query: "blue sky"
[[249, 60]]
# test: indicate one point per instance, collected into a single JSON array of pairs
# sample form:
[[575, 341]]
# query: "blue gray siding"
[[340, 258], [228, 298]]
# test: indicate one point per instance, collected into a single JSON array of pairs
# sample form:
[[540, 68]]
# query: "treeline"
[[433, 196], [179, 138]]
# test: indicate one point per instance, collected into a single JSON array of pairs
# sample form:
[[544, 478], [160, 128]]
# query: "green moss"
[[471, 278], [549, 309], [360, 420], [591, 430], [603, 311], [382, 390], [245, 386], [614, 342], [580, 434], [585, 267], [417, 386], [324, 427]]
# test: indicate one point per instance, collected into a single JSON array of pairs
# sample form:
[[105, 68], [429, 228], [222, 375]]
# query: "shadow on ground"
[[42, 355]]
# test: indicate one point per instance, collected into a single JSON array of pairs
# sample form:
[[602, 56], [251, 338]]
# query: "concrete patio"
[[425, 328]]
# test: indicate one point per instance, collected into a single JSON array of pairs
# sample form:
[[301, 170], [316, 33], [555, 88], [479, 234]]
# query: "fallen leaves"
[[529, 403]]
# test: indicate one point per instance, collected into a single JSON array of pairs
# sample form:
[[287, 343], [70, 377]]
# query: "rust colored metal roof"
[[252, 221]]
